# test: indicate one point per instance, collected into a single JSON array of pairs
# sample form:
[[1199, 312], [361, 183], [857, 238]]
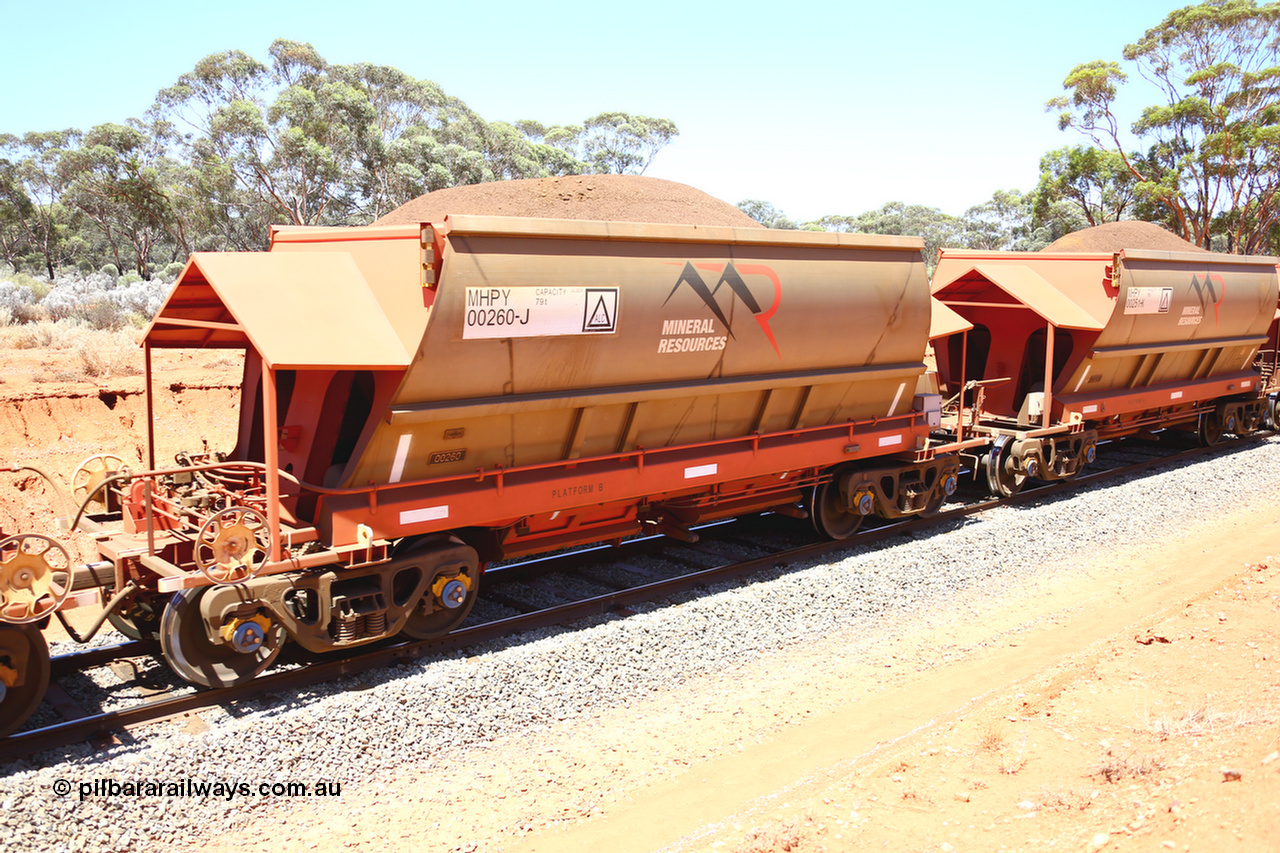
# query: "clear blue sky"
[[818, 107]]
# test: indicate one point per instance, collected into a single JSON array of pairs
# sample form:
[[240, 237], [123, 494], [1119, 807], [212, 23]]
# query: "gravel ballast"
[[432, 713]]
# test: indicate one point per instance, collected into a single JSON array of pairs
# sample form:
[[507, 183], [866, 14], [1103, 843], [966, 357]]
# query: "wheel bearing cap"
[[248, 637], [453, 594]]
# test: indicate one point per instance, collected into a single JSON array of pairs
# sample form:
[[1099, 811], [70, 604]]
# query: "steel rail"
[[82, 659], [100, 726]]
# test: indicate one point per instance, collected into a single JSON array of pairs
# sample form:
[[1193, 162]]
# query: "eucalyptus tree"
[[767, 214], [615, 142], [897, 218], [117, 178], [40, 228], [279, 142], [1212, 162], [1096, 181], [1003, 222], [310, 142]]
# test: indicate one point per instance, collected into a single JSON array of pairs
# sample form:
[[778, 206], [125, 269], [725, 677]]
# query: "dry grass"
[[1064, 799], [991, 736], [992, 740], [1201, 719], [89, 353], [783, 836], [1114, 768]]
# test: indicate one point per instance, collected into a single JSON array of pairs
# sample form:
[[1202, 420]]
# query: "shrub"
[[102, 314], [129, 278], [110, 270], [110, 354], [12, 295], [173, 270], [41, 334], [37, 287]]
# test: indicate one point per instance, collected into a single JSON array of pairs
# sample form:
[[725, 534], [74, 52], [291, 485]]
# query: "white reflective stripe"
[[890, 440], [896, 398], [1092, 407], [427, 513], [402, 454], [701, 471], [1176, 395], [1083, 377], [1248, 383]]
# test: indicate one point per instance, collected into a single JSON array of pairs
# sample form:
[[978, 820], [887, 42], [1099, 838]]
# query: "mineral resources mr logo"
[[676, 333]]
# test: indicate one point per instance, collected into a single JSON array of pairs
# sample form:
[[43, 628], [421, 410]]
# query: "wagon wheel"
[[86, 482], [1209, 429], [24, 657], [448, 597], [28, 590], [232, 545], [197, 659], [1002, 478], [936, 502], [830, 518]]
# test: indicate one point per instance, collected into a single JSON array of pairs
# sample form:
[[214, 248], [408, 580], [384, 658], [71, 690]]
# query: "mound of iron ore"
[[1117, 236], [616, 198]]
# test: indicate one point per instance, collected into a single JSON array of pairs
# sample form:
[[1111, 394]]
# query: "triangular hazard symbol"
[[600, 316]]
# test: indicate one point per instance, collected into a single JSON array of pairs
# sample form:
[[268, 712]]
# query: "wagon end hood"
[[296, 309]]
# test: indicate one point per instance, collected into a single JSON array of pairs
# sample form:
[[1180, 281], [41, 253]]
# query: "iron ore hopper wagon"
[[1064, 350], [421, 400]]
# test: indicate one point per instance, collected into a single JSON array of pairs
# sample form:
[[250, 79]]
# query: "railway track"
[[661, 568]]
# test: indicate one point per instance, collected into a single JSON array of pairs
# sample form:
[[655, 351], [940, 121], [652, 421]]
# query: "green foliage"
[[609, 143], [102, 314], [896, 218], [236, 144], [1098, 182], [1007, 221], [307, 142], [35, 287], [37, 226], [1211, 167], [766, 214]]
